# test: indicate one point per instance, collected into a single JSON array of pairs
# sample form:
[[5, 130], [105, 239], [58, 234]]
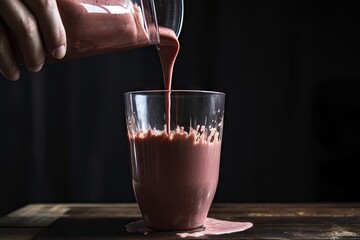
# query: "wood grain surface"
[[107, 221]]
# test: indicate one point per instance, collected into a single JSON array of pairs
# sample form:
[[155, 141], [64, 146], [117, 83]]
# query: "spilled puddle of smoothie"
[[211, 226]]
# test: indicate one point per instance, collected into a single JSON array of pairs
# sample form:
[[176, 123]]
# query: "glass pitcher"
[[96, 27]]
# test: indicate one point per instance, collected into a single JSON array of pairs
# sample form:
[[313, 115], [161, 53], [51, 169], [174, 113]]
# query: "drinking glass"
[[175, 146]]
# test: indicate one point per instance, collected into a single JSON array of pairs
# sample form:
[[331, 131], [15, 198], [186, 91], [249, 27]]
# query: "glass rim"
[[174, 91]]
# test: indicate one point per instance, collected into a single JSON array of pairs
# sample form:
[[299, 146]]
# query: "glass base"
[[190, 230]]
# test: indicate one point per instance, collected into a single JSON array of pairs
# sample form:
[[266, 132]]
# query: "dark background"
[[291, 73]]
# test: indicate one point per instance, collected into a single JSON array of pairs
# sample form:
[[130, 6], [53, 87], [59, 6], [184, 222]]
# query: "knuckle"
[[45, 5], [2, 48], [28, 26], [3, 45]]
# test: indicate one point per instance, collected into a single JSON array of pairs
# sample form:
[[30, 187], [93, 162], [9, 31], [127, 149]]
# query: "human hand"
[[38, 29]]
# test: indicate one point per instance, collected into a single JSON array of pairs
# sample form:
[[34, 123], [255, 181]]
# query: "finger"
[[8, 65], [22, 22], [51, 26]]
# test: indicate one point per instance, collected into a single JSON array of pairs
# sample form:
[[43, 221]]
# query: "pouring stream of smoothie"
[[168, 50]]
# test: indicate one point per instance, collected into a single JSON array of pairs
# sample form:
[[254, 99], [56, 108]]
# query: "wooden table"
[[107, 221]]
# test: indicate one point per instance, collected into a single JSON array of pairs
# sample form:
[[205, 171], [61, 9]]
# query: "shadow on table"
[[96, 228], [80, 228]]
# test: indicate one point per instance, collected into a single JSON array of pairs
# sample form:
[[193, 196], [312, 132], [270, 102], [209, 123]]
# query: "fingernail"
[[36, 68], [59, 52], [14, 76]]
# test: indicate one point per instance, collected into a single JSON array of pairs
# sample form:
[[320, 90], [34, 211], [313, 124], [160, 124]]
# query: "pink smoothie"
[[168, 50], [174, 177]]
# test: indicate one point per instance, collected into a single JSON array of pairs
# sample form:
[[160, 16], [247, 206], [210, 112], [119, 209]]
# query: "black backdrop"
[[291, 73]]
